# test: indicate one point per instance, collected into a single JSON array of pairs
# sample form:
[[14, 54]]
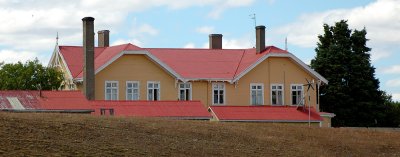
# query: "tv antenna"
[[253, 16], [310, 84]]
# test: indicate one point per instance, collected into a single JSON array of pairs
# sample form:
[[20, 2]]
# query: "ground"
[[23, 134]]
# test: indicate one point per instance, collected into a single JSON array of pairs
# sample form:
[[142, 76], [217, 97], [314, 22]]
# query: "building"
[[260, 76]]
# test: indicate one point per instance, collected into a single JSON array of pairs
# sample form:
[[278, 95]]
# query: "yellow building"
[[261, 76]]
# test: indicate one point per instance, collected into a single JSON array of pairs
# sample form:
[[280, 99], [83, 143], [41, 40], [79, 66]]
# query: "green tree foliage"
[[29, 76], [353, 92]]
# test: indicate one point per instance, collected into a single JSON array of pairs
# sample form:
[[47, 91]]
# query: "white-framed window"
[[111, 90], [185, 91], [296, 91], [153, 90], [277, 97], [218, 93], [256, 94], [132, 90]]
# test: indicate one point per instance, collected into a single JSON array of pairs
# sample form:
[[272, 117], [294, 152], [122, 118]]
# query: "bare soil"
[[31, 134]]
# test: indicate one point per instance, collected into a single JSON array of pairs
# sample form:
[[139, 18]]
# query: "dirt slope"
[[24, 134]]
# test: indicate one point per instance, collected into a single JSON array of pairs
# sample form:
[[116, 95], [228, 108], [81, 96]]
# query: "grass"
[[23, 134]]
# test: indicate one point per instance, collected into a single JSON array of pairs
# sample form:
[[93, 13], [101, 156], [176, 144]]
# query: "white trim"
[[105, 89], [291, 92], [212, 93], [190, 90], [283, 93], [289, 55], [143, 52], [159, 90], [262, 92], [126, 89]]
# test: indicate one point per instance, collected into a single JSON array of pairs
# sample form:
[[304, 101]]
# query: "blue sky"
[[28, 28]]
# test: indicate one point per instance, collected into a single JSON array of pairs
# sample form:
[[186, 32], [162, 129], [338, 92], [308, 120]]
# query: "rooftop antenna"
[[57, 39], [286, 44], [253, 16]]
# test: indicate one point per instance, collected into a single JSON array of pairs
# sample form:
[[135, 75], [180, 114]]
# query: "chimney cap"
[[215, 35], [103, 31], [260, 27], [88, 19]]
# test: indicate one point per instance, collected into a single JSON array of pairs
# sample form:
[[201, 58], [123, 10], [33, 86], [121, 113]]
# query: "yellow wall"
[[274, 70], [140, 68], [136, 68]]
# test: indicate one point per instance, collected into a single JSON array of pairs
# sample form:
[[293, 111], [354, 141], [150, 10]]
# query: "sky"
[[28, 28]]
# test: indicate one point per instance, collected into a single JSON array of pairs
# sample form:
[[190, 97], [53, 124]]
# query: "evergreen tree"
[[29, 76], [353, 91]]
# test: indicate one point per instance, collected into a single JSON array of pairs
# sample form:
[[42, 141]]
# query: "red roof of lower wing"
[[265, 113], [174, 109]]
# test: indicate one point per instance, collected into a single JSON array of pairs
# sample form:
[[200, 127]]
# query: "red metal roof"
[[174, 109], [188, 63], [75, 101], [264, 113]]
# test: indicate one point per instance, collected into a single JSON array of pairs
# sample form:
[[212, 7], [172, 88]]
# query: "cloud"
[[393, 83], [380, 18], [395, 69], [234, 43], [189, 45], [147, 29], [205, 30], [31, 26], [221, 6], [123, 41], [12, 56], [396, 97]]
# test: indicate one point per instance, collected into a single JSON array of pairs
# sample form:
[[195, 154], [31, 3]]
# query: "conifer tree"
[[353, 91]]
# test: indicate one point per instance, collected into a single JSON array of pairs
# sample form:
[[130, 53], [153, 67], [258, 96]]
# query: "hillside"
[[83, 135]]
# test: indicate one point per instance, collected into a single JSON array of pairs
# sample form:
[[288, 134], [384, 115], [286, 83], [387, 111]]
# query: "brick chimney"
[[260, 38], [88, 58], [215, 41], [103, 38]]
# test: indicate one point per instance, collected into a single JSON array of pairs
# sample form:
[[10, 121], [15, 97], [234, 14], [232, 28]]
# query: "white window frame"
[[301, 94], [138, 89], [283, 94], [105, 89], [223, 89], [262, 93], [184, 88], [159, 90]]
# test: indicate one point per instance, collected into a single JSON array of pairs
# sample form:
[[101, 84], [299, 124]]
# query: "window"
[[218, 93], [153, 90], [185, 91], [277, 94], [132, 90], [257, 94], [111, 90], [297, 93]]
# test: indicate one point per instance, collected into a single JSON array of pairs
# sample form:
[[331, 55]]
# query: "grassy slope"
[[77, 135]]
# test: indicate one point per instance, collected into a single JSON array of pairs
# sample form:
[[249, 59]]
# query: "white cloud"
[[221, 6], [395, 69], [393, 83], [234, 43], [123, 41], [380, 18], [205, 30], [148, 29], [189, 45], [31, 26], [396, 96], [12, 56]]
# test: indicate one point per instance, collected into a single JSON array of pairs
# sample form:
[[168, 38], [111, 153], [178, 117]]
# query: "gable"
[[133, 66]]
